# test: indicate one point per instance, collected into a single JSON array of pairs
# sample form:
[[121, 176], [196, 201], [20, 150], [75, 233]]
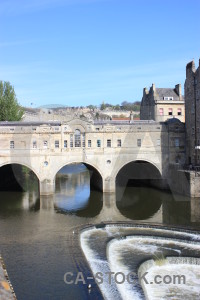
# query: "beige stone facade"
[[105, 147], [161, 104]]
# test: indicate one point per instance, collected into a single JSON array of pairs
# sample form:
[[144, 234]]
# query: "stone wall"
[[192, 116]]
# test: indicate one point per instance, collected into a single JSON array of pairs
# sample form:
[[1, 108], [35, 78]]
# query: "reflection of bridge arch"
[[96, 177]]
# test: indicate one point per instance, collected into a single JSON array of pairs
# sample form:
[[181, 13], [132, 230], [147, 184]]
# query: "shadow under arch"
[[135, 196], [16, 176], [138, 172], [96, 178]]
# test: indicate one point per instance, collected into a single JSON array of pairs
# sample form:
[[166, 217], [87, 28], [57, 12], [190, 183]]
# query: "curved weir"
[[119, 248]]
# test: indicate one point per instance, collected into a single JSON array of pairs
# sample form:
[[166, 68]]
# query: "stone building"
[[161, 104], [192, 114]]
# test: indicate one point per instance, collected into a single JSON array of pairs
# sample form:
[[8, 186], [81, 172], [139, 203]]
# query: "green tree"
[[10, 110]]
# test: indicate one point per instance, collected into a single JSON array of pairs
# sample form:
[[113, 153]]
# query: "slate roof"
[[166, 92]]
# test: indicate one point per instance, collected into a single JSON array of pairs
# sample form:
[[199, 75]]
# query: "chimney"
[[145, 91], [178, 90], [153, 87], [190, 67]]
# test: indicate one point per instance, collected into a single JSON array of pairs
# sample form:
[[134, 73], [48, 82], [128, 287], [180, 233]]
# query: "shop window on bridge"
[[56, 144], [12, 144], [77, 138], [158, 142], [119, 143], [89, 143], [83, 139], [45, 144], [98, 143], [65, 143], [71, 140], [139, 142], [108, 143], [34, 145]]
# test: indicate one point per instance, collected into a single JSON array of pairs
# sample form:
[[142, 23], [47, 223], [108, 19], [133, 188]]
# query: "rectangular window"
[[161, 111], [56, 144], [34, 145], [177, 142], [65, 143], [98, 143], [108, 143], [179, 111], [139, 142], [12, 144], [71, 140], [170, 111], [158, 142], [97, 129], [89, 143], [45, 144], [119, 143], [83, 140]]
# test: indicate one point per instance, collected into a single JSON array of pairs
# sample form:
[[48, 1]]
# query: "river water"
[[39, 236]]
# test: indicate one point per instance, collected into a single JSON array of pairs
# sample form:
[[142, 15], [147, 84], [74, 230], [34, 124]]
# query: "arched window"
[[77, 138]]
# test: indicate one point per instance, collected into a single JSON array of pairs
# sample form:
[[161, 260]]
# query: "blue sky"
[[80, 52]]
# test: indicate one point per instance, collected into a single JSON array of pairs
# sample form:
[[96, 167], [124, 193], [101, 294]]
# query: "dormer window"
[[168, 98]]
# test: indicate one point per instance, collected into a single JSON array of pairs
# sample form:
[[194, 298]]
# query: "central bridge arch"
[[96, 177]]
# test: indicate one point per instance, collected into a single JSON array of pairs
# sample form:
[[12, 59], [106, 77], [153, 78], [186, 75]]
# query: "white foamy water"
[[186, 286], [109, 291], [129, 245], [149, 245]]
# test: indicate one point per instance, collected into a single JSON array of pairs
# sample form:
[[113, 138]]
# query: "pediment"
[[78, 121]]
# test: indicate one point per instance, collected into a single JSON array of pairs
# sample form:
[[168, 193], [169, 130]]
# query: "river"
[[37, 233]]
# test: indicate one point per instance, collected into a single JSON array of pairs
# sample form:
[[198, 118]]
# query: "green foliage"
[[135, 106], [10, 110], [91, 106]]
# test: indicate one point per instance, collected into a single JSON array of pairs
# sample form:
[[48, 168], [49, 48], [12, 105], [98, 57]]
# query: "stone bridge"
[[106, 148]]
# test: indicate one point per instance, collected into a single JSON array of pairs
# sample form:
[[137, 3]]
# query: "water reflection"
[[13, 201], [139, 203], [73, 193]]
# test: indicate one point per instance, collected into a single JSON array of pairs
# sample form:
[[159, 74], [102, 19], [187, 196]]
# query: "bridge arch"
[[96, 176], [15, 162], [14, 178], [139, 171], [124, 164]]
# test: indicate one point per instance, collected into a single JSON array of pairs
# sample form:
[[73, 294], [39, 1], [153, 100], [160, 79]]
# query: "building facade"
[[192, 114], [161, 104]]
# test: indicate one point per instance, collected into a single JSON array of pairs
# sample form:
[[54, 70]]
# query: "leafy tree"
[[103, 106], [10, 110]]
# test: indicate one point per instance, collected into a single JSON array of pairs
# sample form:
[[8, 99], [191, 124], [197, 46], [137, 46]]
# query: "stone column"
[[108, 185], [47, 187]]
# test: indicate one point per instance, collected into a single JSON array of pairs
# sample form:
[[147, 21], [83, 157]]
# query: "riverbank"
[[6, 289]]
